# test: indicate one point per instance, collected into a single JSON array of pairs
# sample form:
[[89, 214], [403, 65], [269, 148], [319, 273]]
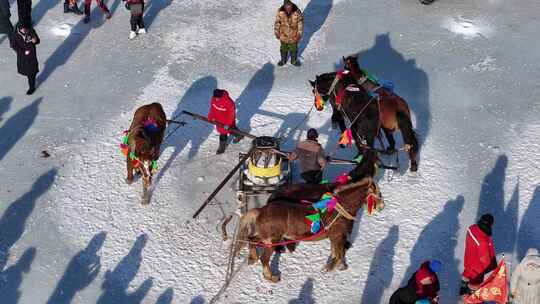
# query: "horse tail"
[[407, 131], [247, 229]]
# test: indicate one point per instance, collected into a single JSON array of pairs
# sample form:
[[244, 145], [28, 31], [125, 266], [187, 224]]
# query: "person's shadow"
[[166, 297], [11, 278], [17, 125], [492, 201], [195, 133], [529, 229], [438, 241], [5, 103], [13, 221], [315, 15], [81, 271], [152, 10], [306, 294], [411, 82], [254, 95], [116, 282], [381, 269], [79, 32]]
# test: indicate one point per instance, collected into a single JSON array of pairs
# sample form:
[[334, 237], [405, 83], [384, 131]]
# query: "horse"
[[142, 144], [281, 220], [394, 110], [349, 102]]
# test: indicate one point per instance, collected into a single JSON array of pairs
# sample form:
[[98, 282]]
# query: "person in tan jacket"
[[311, 156], [288, 28]]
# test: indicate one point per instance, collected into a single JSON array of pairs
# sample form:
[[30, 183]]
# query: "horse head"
[[366, 188], [320, 89], [145, 147]]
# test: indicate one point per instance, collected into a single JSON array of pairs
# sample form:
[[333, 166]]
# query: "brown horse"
[[394, 111], [144, 139], [283, 220]]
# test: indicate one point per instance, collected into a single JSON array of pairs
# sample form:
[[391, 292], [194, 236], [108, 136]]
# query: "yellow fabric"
[[264, 172]]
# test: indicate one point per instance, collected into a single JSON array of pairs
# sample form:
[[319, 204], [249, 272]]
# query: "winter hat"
[[218, 93], [312, 134], [485, 223], [435, 266]]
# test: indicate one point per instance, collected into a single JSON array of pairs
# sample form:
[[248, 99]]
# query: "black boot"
[[283, 60], [294, 59], [464, 288], [222, 144]]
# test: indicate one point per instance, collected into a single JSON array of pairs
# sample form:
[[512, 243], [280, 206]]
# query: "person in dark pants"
[[288, 28], [101, 5], [24, 41], [311, 156], [70, 6], [136, 7], [223, 111]]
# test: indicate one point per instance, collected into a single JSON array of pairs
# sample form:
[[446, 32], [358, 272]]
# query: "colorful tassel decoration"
[[346, 138], [343, 179]]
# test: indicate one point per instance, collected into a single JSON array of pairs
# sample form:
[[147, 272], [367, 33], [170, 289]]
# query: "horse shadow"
[[80, 31], [116, 282], [17, 125], [153, 8], [381, 269], [199, 93], [529, 230], [5, 104], [11, 278], [13, 221], [166, 297], [443, 230], [492, 201], [411, 82], [315, 14], [254, 95], [197, 300], [80, 272]]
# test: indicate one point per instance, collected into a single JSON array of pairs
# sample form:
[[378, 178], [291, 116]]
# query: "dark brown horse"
[[143, 143], [284, 220], [394, 110]]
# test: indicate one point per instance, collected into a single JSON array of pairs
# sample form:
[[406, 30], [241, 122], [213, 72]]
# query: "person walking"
[[311, 156], [288, 28], [223, 111], [479, 256], [525, 281], [423, 286], [24, 42], [6, 27], [136, 7], [101, 5]]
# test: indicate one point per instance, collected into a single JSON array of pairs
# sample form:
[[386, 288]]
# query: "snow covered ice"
[[72, 231]]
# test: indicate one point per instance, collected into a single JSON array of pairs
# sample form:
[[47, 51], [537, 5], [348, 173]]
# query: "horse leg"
[[331, 264], [339, 245], [409, 137], [253, 255], [389, 134], [129, 166], [265, 260]]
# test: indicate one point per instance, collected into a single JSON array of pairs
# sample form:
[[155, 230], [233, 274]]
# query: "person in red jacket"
[[223, 111], [479, 254], [101, 5], [136, 8], [423, 285]]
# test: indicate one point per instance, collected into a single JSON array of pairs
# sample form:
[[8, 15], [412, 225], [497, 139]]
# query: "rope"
[[344, 212]]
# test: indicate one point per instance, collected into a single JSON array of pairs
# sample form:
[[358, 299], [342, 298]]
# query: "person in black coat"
[[24, 41]]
